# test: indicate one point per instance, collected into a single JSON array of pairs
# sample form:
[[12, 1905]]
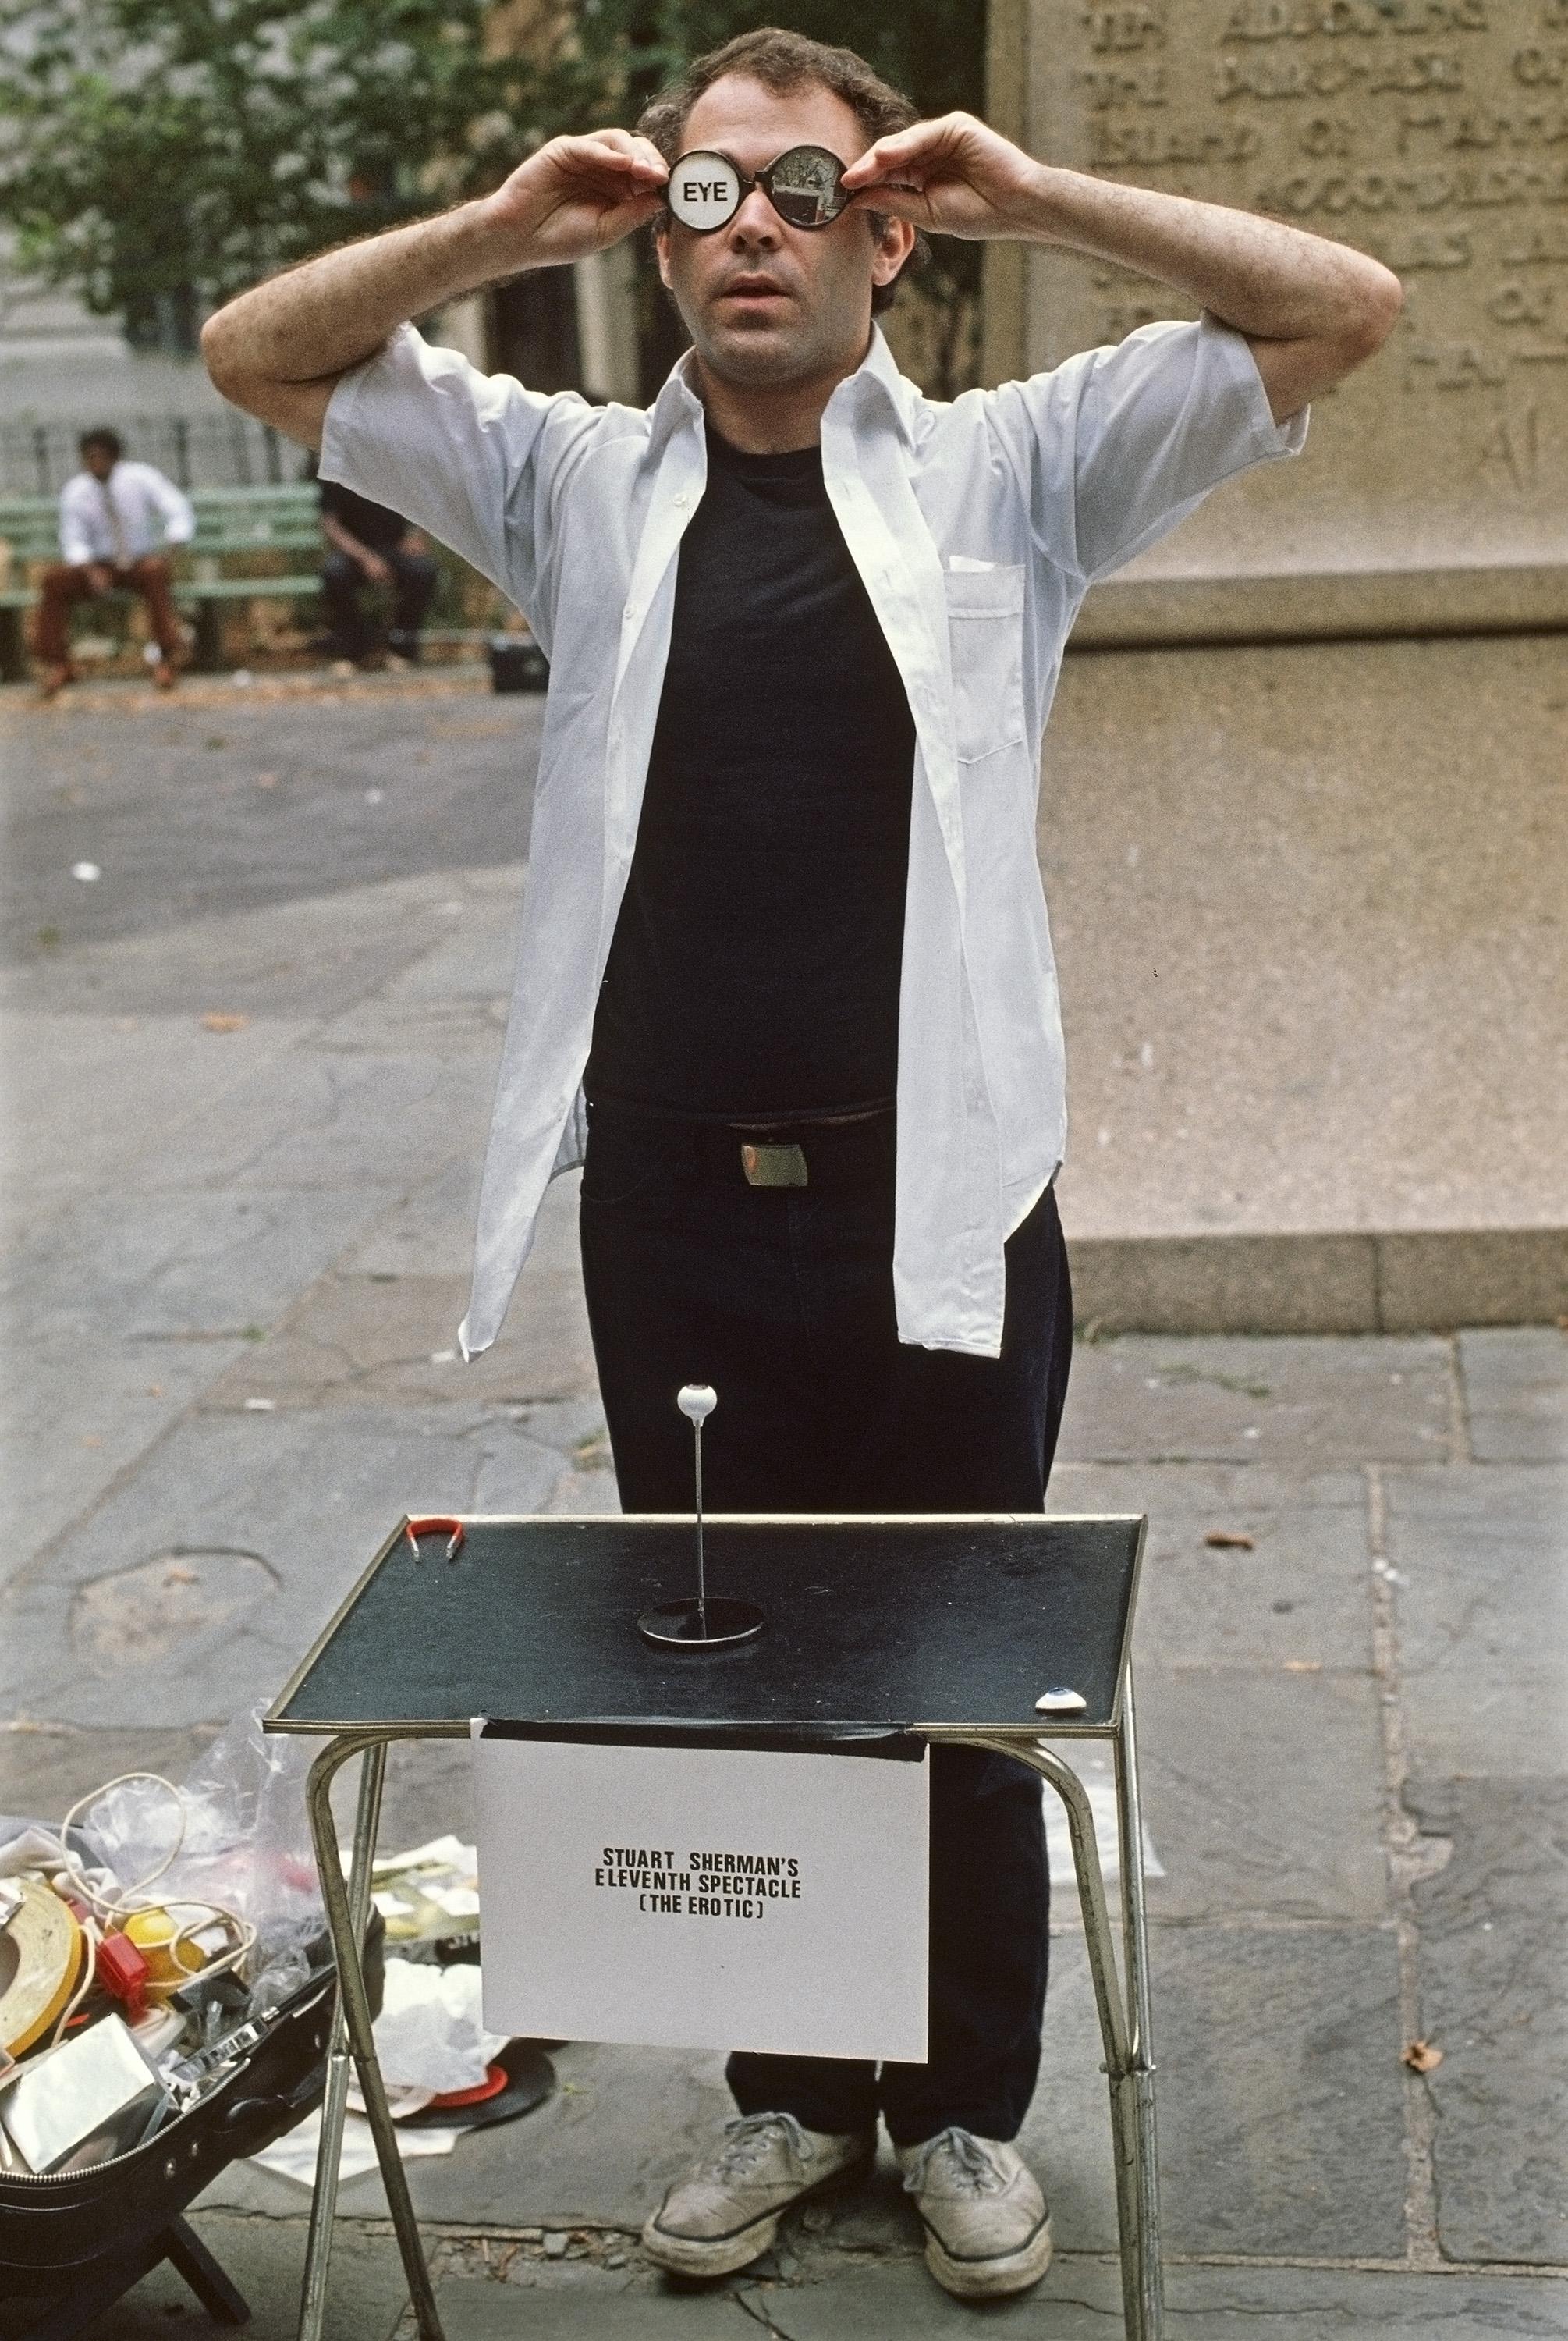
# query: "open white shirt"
[[976, 528], [136, 511]]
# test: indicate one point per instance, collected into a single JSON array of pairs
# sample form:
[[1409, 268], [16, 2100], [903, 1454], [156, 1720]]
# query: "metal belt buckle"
[[773, 1166]]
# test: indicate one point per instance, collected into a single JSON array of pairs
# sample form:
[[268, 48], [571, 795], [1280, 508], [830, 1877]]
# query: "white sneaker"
[[988, 2229], [725, 2212]]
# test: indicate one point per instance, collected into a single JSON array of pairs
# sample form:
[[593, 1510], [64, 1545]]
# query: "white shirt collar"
[[876, 382]]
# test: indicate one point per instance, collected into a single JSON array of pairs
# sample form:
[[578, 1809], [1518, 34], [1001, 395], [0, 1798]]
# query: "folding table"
[[950, 1628]]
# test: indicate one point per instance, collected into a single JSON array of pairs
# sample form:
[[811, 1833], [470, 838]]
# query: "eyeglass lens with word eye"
[[805, 187]]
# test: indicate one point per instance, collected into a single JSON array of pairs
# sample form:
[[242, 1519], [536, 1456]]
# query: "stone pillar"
[[1328, 712], [606, 285]]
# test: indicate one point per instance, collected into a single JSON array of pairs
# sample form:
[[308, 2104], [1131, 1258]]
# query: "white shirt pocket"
[[986, 628]]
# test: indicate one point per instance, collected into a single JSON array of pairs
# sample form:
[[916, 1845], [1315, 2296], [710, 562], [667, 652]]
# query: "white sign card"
[[704, 1898]]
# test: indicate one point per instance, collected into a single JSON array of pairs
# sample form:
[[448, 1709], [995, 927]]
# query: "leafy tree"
[[157, 155]]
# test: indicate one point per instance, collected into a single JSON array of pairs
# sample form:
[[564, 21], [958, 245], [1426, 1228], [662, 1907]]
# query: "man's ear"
[[661, 254], [894, 240]]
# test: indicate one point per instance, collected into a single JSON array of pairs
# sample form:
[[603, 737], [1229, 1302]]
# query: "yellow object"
[[41, 1953], [154, 1933]]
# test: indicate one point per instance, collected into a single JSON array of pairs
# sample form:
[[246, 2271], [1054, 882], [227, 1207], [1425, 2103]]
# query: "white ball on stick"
[[697, 1401]]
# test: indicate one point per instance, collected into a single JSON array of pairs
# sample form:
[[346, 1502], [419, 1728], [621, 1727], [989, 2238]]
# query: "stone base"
[[1307, 903], [1392, 1283]]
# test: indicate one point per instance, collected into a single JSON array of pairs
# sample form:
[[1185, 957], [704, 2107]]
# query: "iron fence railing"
[[197, 450]]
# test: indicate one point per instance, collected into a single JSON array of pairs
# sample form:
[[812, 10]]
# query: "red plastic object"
[[123, 1972], [433, 1524], [492, 2086]]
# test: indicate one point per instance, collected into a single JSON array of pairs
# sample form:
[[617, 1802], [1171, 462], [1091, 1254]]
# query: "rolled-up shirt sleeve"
[[470, 457], [1123, 443]]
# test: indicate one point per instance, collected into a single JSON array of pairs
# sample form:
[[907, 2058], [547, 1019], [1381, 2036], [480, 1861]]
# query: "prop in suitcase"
[[166, 2000], [72, 2240]]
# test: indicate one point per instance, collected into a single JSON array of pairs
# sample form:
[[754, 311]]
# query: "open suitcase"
[[71, 2244]]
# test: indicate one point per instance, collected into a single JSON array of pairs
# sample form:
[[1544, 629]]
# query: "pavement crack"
[[751, 2308], [1461, 1446]]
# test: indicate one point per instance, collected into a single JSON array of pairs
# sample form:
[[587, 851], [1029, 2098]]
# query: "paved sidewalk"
[[234, 1256]]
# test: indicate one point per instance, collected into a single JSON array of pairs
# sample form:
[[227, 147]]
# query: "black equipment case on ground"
[[70, 2245]]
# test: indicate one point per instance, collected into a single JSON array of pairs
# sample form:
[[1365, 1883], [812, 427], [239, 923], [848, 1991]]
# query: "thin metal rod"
[[1134, 1928], [355, 2003], [701, 1576], [334, 2105], [1131, 2088]]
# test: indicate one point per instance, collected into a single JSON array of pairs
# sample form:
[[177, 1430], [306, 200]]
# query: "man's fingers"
[[633, 162], [902, 150]]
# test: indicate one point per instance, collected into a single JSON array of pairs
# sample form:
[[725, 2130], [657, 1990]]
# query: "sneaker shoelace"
[[748, 2138], [966, 2161]]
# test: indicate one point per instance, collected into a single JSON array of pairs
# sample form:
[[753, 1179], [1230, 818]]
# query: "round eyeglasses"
[[805, 187]]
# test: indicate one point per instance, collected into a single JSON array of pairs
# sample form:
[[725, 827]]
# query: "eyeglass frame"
[[746, 180]]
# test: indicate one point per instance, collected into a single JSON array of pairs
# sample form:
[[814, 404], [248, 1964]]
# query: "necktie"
[[116, 529]]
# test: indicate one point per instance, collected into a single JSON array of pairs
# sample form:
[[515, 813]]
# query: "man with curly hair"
[[784, 960]]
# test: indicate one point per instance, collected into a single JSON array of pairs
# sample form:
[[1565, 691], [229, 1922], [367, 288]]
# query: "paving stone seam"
[[371, 2226], [1463, 1450], [1407, 1855]]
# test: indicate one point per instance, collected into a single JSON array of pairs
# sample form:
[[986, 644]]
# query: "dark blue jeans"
[[783, 1298]]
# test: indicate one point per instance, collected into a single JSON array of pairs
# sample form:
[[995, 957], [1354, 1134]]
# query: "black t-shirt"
[[378, 530], [754, 970]]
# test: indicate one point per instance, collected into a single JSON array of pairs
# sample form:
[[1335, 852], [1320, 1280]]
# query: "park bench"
[[235, 527]]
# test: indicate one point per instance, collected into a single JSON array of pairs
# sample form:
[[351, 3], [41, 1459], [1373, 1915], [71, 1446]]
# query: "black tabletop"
[[872, 1625]]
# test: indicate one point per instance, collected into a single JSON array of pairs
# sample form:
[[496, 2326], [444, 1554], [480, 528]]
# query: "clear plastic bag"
[[240, 1838]]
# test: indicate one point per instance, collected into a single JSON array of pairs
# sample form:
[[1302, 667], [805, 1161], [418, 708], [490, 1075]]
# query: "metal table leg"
[[329, 2152], [1124, 2034], [1141, 2082], [346, 1905]]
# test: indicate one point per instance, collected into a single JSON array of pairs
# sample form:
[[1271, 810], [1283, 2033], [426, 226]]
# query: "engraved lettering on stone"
[[1156, 145], [1126, 28], [1324, 138], [1372, 20], [1456, 365], [1514, 444], [1432, 132], [1541, 68], [1128, 84], [1339, 194], [1522, 305], [1438, 130], [1426, 247], [1268, 76]]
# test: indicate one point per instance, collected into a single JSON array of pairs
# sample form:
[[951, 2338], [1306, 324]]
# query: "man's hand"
[[378, 570], [100, 576], [577, 197], [956, 176]]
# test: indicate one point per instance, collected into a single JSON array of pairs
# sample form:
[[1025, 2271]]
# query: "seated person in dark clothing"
[[369, 545]]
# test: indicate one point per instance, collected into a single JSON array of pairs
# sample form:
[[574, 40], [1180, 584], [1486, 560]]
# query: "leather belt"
[[857, 1153], [801, 1154]]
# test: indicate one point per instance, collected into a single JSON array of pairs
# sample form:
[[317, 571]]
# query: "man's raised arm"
[[279, 350], [1311, 309]]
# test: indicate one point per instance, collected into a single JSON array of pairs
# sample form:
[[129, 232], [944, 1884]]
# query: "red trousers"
[[66, 584]]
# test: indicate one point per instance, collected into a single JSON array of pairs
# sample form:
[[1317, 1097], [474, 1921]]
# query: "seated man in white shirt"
[[784, 933], [116, 519]]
